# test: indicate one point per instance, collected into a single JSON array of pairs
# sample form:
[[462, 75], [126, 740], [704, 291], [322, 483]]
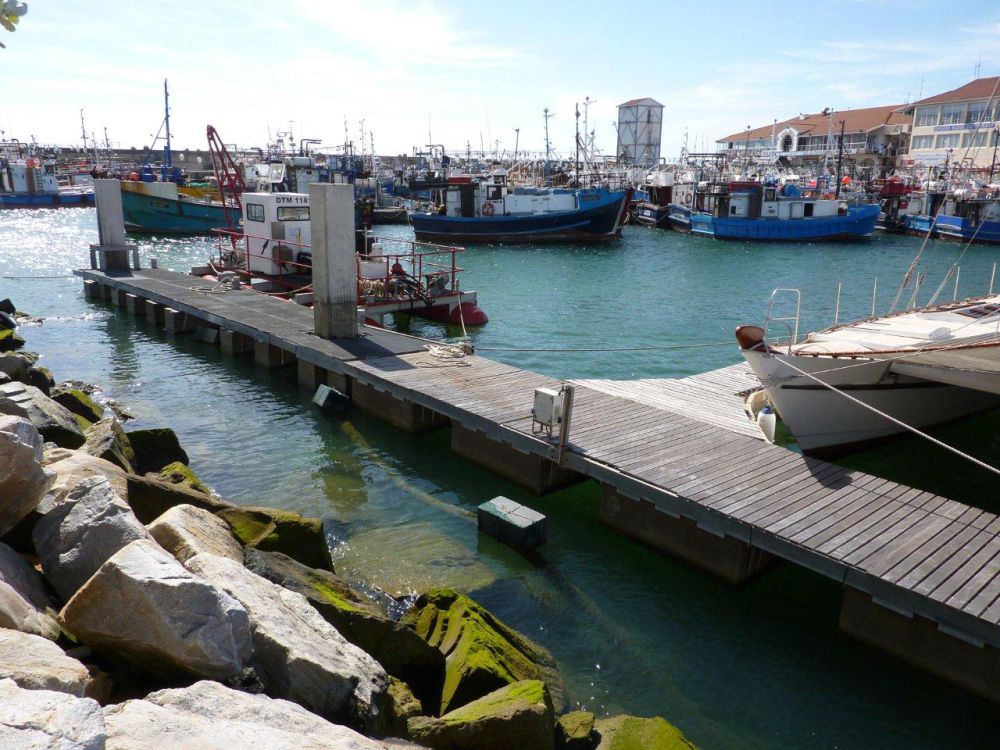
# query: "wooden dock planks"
[[684, 441]]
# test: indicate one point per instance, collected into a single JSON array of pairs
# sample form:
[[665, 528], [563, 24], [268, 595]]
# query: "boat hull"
[[68, 199], [599, 222], [824, 422], [150, 213], [857, 224], [652, 215]]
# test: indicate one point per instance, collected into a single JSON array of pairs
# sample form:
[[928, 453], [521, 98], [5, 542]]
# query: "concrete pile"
[[139, 611]]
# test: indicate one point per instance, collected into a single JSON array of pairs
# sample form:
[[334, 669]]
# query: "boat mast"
[[167, 163], [83, 131], [548, 148], [576, 161], [840, 157]]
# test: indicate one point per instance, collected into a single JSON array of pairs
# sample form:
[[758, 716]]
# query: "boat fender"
[[768, 422], [488, 209]]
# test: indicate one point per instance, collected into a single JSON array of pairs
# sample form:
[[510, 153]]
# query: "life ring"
[[829, 196], [32, 163], [488, 209]]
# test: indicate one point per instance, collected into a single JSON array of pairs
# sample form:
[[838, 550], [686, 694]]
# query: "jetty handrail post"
[[874, 293], [958, 274], [335, 304], [567, 412], [112, 251], [993, 274], [836, 309]]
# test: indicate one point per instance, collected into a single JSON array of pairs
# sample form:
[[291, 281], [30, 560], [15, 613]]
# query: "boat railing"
[[791, 322]]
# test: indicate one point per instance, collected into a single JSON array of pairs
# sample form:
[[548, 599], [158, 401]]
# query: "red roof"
[[855, 121], [644, 100], [981, 88]]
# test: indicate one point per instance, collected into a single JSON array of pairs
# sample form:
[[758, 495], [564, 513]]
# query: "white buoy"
[[767, 421]]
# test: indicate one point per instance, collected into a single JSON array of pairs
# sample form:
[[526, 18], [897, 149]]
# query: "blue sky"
[[471, 71]]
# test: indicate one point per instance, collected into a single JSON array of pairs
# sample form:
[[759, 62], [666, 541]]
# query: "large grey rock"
[[209, 716], [24, 603], [48, 720], [71, 467], [143, 606], [297, 654], [150, 498], [23, 480], [16, 364], [400, 651], [24, 431], [185, 531], [37, 663], [76, 537], [56, 423], [107, 439]]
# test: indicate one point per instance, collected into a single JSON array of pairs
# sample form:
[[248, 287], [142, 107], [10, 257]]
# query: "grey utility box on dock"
[[513, 524]]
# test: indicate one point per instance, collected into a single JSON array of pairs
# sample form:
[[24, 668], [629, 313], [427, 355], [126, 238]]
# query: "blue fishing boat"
[[967, 218], [490, 211], [753, 211], [34, 183]]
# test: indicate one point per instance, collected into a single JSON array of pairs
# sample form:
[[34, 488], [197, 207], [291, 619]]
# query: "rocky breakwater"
[[137, 610]]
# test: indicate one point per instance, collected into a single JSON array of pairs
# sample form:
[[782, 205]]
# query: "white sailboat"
[[861, 382]]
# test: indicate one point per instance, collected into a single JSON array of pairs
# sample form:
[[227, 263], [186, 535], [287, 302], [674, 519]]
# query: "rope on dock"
[[67, 276], [615, 349]]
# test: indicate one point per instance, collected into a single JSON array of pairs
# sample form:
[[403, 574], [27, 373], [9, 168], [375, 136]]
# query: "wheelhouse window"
[[293, 213], [255, 212]]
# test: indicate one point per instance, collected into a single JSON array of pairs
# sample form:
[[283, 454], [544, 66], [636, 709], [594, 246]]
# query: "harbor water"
[[758, 666]]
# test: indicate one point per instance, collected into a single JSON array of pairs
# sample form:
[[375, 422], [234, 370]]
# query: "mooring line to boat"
[[898, 422], [67, 276], [618, 349]]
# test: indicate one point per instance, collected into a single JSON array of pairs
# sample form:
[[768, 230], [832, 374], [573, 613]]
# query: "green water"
[[761, 666]]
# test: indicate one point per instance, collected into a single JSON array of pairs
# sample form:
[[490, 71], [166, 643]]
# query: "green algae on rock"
[[10, 340], [106, 439], [284, 531], [635, 733], [156, 448], [481, 652], [518, 715], [401, 706], [183, 475], [575, 731], [83, 407]]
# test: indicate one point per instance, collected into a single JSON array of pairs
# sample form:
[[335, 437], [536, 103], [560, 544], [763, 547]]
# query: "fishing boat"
[[965, 215], [273, 253], [653, 210], [489, 210], [33, 182], [155, 199], [743, 210], [897, 200], [858, 383]]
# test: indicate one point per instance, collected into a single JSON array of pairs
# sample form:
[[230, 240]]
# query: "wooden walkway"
[[676, 445]]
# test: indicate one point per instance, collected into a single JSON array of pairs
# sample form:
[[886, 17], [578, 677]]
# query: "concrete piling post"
[[113, 251], [334, 265]]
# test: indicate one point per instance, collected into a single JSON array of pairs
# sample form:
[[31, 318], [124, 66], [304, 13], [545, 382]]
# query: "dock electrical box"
[[546, 413], [277, 230]]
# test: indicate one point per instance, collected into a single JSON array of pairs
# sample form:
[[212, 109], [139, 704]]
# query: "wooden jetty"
[[678, 466]]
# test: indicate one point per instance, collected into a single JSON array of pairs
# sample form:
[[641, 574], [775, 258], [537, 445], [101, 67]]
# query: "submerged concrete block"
[[536, 473], [175, 321], [921, 642], [154, 311], [513, 524], [405, 415], [330, 398], [235, 343], [731, 559]]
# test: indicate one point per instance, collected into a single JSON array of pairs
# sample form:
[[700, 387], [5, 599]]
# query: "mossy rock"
[[41, 378], [400, 651], [86, 410], [482, 653], [150, 497], [518, 715], [106, 439], [183, 475], [401, 706], [156, 448], [575, 731], [634, 733], [284, 531], [10, 340]]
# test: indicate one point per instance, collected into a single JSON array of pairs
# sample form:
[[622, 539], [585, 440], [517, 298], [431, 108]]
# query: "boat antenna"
[[840, 156], [548, 147], [517, 141], [83, 131], [167, 161], [576, 159]]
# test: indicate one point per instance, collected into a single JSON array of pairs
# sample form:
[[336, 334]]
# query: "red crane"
[[227, 175]]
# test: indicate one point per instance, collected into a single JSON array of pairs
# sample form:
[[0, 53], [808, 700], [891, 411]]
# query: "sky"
[[458, 73]]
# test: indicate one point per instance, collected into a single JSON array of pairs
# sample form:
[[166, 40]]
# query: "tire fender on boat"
[[488, 209]]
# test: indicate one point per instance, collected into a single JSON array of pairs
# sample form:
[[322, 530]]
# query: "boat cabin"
[[277, 233], [752, 200], [493, 196], [32, 176]]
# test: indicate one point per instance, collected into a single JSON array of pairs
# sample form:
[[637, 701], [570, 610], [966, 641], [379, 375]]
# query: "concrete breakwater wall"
[[137, 609]]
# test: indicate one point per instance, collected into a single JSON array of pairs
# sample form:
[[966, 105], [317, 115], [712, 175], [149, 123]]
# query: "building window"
[[977, 113], [922, 141], [948, 140], [255, 212], [975, 140], [952, 114], [926, 116]]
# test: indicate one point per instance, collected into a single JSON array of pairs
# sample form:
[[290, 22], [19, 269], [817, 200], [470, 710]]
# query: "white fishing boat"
[[858, 383]]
